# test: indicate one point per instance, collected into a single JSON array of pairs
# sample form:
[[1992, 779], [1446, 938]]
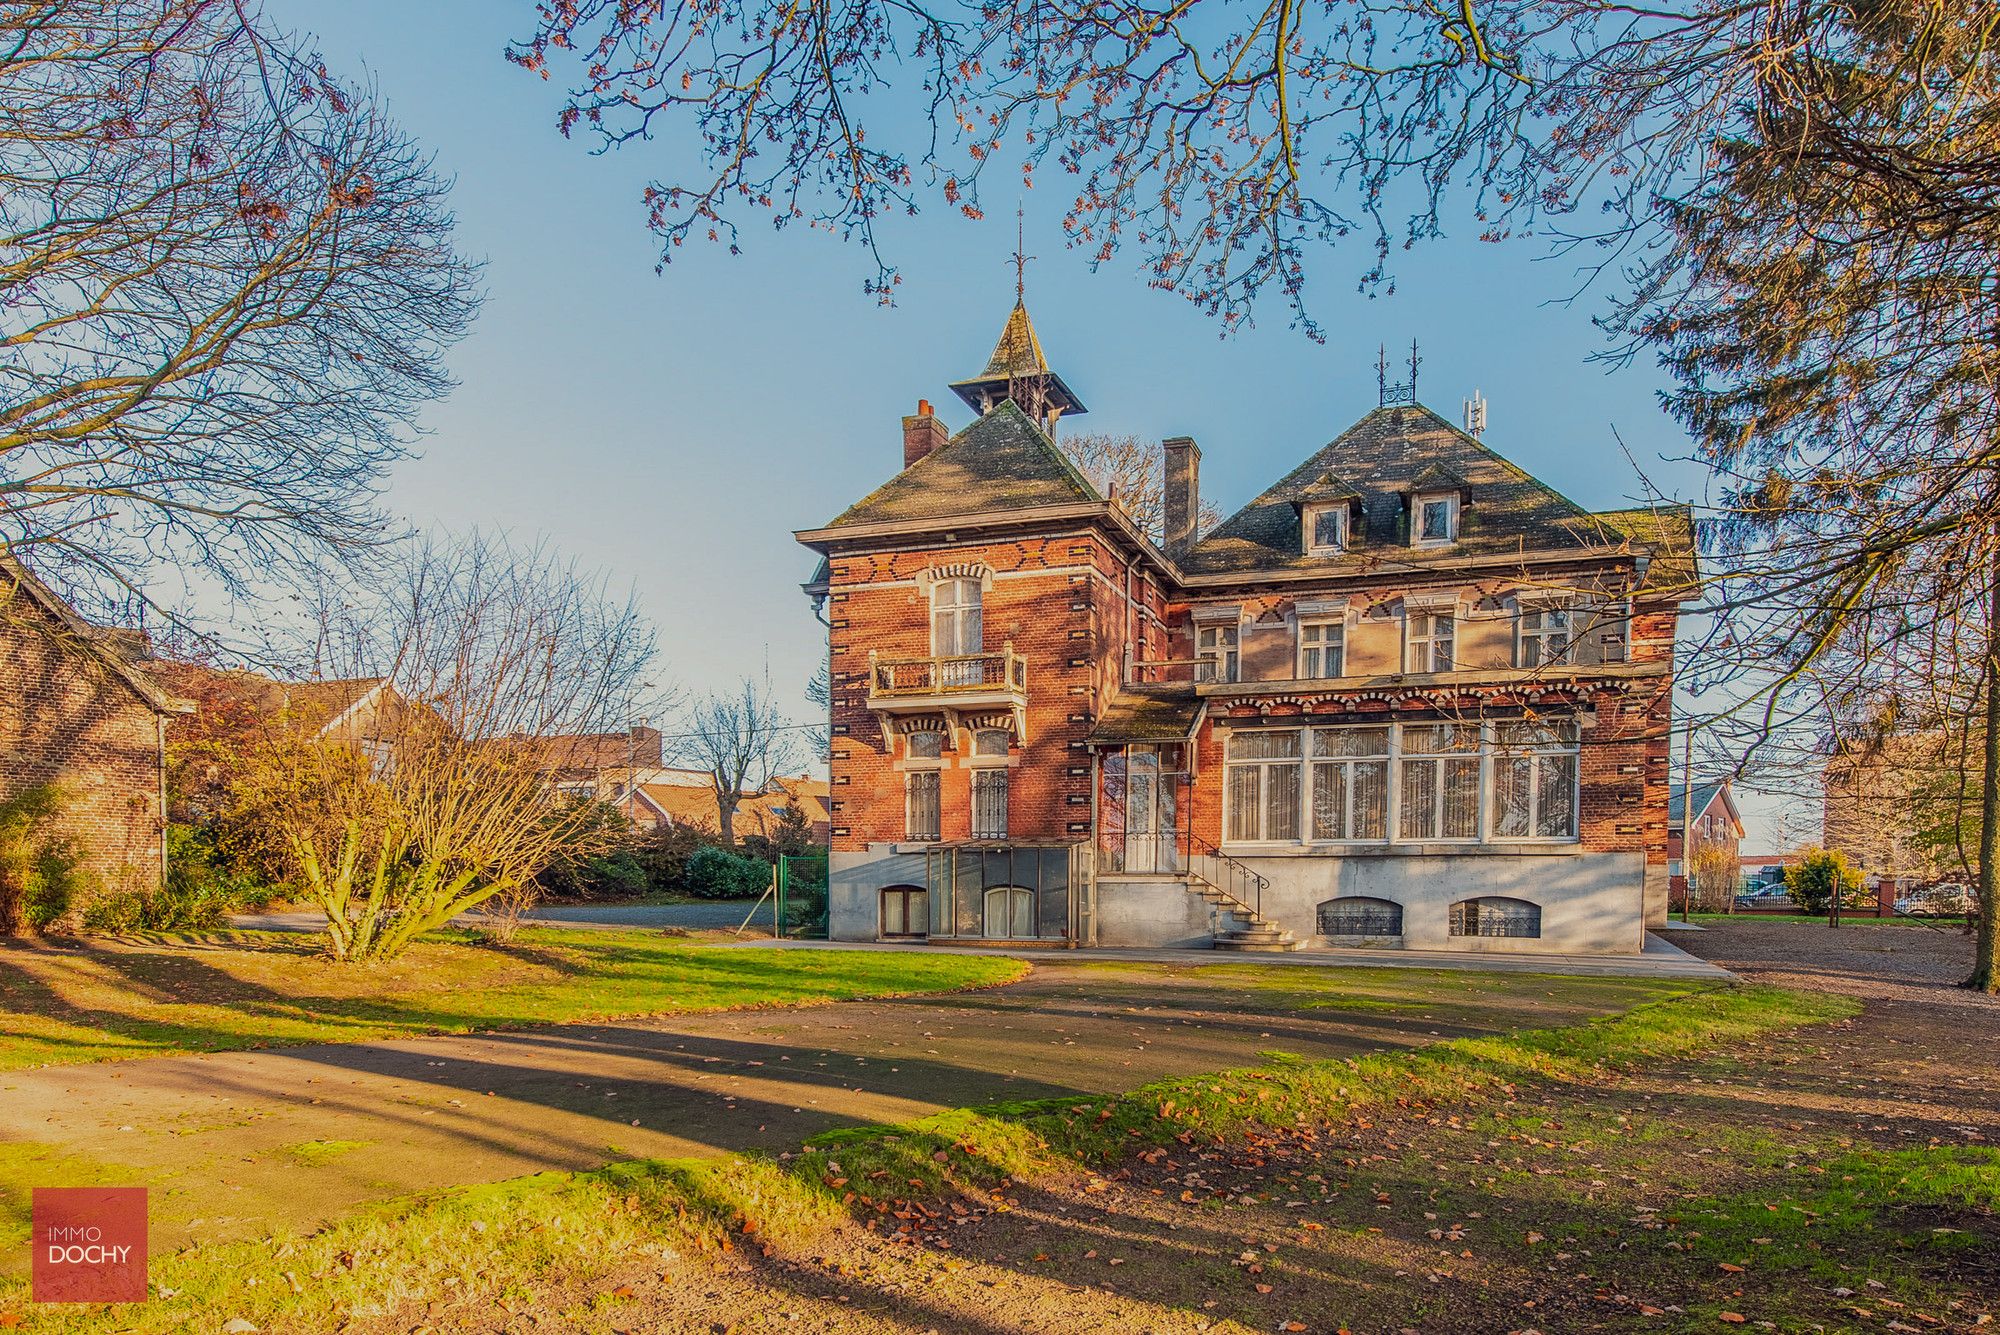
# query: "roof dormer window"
[[1326, 530], [1434, 519]]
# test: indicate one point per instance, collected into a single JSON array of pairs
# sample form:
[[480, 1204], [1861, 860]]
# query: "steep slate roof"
[[1003, 461], [1705, 795], [1667, 531], [1386, 455]]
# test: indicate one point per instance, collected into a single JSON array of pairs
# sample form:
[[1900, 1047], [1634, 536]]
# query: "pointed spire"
[[1018, 370]]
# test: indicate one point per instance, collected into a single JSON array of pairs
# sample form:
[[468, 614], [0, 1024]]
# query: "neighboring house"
[[236, 708], [77, 711], [602, 765], [1869, 793], [1714, 821], [1409, 695], [687, 797]]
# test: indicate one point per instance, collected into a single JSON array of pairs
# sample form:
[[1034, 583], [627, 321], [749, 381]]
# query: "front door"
[[1151, 811]]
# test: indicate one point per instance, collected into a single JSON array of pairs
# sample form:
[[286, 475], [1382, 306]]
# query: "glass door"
[[1152, 826]]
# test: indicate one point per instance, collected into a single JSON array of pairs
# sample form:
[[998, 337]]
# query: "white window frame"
[[958, 617], [1419, 504], [1420, 652], [1489, 751], [1217, 662], [1539, 635], [1440, 762], [1315, 762], [1312, 656], [1263, 765], [1343, 522]]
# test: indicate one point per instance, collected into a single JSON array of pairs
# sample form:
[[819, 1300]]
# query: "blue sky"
[[675, 429]]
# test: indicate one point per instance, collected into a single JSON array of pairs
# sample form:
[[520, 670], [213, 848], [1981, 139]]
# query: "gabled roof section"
[[1395, 451], [1328, 489], [1003, 461], [113, 648], [1667, 534], [1706, 795]]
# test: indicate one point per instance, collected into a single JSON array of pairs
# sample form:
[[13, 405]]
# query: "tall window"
[[1427, 642], [1326, 530], [1440, 788], [1495, 915], [1216, 653], [1544, 636], [955, 625], [989, 804], [1350, 783], [920, 804], [1322, 648], [1534, 780], [1436, 520], [1262, 782]]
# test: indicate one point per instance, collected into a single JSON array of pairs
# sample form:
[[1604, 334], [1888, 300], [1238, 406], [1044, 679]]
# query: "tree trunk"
[[1985, 974], [725, 814]]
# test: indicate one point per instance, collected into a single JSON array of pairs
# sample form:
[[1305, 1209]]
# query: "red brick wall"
[[68, 719], [1057, 600]]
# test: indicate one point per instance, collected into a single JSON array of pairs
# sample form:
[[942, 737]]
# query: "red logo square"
[[90, 1245]]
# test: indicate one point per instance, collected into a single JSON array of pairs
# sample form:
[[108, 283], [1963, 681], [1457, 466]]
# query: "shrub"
[[203, 885], [717, 873], [615, 875], [40, 876], [1819, 871], [664, 854]]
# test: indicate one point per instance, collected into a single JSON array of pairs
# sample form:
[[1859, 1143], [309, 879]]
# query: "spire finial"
[[1386, 393], [1021, 257]]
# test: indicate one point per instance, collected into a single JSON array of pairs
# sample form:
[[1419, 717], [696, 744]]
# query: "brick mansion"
[[1408, 696]]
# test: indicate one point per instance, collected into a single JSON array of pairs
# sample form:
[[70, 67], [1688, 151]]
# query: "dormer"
[[1331, 517], [1438, 497]]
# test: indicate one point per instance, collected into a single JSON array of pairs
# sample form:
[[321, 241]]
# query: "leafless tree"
[[1133, 472], [744, 741], [495, 658], [226, 284], [1227, 144]]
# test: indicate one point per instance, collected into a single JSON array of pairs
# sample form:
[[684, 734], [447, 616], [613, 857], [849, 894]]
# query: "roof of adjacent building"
[[1164, 713], [1706, 795], [1395, 451], [1003, 461]]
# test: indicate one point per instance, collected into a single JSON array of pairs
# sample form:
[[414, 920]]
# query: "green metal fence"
[[802, 896]]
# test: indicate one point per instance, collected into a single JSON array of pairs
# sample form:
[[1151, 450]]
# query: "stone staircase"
[[1242, 928]]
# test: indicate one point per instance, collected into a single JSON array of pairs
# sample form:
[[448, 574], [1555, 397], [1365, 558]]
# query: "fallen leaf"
[[1734, 1318]]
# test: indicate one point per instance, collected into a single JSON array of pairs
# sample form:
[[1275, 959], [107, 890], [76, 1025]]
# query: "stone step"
[[1279, 946]]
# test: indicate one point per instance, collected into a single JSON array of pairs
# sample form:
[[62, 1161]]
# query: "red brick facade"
[[73, 715]]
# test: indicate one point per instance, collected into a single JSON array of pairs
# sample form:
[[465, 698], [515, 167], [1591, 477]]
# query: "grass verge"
[[491, 1245], [108, 1000]]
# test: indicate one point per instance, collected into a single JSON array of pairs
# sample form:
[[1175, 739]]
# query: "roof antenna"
[[1475, 415]]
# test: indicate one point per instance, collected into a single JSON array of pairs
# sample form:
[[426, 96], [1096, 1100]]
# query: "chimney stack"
[[922, 434], [1183, 498]]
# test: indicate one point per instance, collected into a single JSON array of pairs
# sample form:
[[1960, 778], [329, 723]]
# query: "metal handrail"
[[1234, 881]]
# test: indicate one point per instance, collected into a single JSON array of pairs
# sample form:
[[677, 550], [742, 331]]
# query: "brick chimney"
[[922, 433], [1183, 498]]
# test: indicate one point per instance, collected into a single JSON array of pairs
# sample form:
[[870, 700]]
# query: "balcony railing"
[[1005, 672]]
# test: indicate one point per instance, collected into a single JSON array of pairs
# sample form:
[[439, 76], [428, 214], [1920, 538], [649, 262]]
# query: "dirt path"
[[242, 1144], [1680, 1198]]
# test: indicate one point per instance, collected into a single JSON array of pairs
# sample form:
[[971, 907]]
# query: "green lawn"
[[105, 1000], [504, 1243]]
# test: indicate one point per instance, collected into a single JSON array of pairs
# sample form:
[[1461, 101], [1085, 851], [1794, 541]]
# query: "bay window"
[[1534, 780], [1507, 781], [1261, 777], [1440, 768], [1350, 783]]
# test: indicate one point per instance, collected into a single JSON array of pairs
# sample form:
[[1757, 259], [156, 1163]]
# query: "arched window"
[[1496, 915], [1359, 915], [955, 625], [906, 911], [1010, 912]]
